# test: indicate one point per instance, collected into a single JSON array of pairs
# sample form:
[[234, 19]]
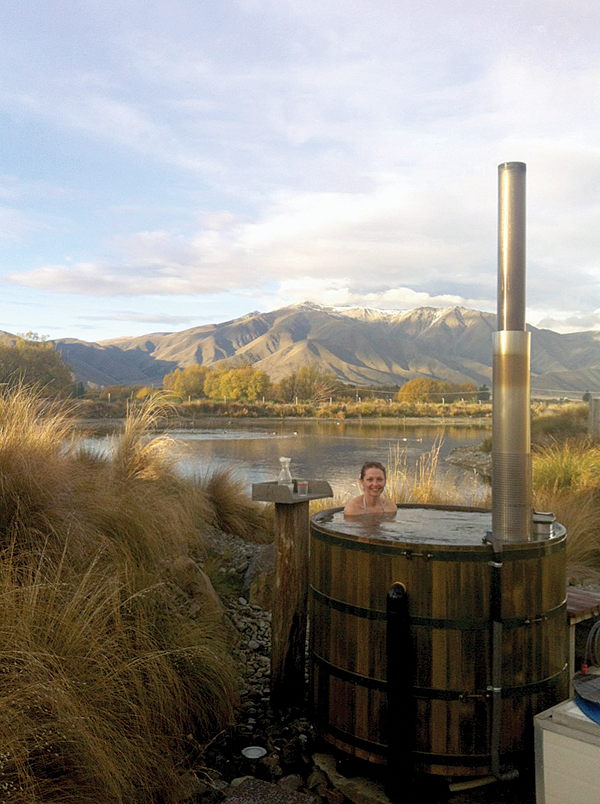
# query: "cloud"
[[141, 318], [438, 241], [560, 322], [315, 150], [334, 293]]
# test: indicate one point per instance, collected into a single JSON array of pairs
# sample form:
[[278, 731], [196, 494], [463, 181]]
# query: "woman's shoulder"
[[355, 506]]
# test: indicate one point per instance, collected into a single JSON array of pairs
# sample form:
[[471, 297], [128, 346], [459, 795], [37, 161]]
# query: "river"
[[332, 451]]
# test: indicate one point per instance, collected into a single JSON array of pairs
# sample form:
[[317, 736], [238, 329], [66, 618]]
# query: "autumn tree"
[[188, 382], [416, 390], [119, 393], [238, 382], [425, 389], [32, 361], [308, 384]]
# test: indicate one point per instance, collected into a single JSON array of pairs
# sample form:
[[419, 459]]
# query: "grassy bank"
[[188, 412], [106, 684], [549, 419]]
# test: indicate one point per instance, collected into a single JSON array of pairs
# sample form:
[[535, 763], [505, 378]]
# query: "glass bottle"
[[285, 476]]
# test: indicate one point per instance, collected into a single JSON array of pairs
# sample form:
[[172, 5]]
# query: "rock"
[[358, 790], [471, 458], [185, 574], [255, 791], [316, 778], [270, 767], [238, 781], [259, 577], [190, 787], [333, 796], [291, 782]]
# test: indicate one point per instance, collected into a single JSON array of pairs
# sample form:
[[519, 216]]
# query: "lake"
[[332, 451]]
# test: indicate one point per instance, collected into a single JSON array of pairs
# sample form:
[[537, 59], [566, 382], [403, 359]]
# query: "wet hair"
[[372, 465]]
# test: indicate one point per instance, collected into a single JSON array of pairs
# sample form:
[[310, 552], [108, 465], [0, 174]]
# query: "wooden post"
[[594, 418], [290, 596], [288, 620]]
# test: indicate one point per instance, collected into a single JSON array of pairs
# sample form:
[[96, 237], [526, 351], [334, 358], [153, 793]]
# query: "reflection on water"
[[329, 451], [416, 525], [332, 451]]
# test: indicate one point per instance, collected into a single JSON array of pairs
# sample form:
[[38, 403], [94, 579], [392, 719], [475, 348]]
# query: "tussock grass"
[[102, 677], [571, 464], [566, 481], [559, 422], [226, 496]]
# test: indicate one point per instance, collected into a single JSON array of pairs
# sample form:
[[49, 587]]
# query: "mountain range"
[[360, 345]]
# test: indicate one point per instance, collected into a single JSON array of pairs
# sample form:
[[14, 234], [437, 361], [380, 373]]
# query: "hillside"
[[359, 345]]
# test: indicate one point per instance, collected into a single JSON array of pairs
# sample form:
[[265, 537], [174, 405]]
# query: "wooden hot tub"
[[440, 555]]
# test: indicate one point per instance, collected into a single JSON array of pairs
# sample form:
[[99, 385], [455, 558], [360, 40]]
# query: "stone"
[[358, 790], [185, 574], [190, 787], [291, 782], [255, 791], [334, 796], [239, 780], [271, 767], [259, 578], [316, 778]]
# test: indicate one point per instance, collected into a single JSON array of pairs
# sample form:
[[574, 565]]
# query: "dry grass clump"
[[566, 481], [101, 675], [100, 686], [569, 465], [558, 422], [227, 498]]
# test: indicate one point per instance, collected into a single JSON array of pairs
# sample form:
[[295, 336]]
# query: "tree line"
[[424, 389], [306, 384], [246, 382], [32, 361]]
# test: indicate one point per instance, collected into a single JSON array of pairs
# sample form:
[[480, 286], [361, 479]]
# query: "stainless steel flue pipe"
[[512, 506]]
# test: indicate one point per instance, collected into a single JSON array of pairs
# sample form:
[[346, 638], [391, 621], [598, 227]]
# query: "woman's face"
[[373, 482]]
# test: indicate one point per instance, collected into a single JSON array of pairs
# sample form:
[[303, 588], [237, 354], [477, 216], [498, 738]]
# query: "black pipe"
[[401, 704]]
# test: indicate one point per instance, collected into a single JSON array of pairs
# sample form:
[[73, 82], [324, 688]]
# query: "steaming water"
[[413, 525]]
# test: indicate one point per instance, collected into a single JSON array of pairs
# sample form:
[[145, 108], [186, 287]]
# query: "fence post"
[[594, 418]]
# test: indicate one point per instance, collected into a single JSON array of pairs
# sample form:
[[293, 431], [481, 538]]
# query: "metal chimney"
[[511, 443]]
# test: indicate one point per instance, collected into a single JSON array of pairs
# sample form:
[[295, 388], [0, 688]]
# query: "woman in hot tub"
[[372, 480]]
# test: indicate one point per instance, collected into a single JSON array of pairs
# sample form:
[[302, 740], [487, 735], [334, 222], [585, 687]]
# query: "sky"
[[165, 165]]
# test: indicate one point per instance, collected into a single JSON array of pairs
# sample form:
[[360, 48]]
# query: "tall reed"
[[424, 482]]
